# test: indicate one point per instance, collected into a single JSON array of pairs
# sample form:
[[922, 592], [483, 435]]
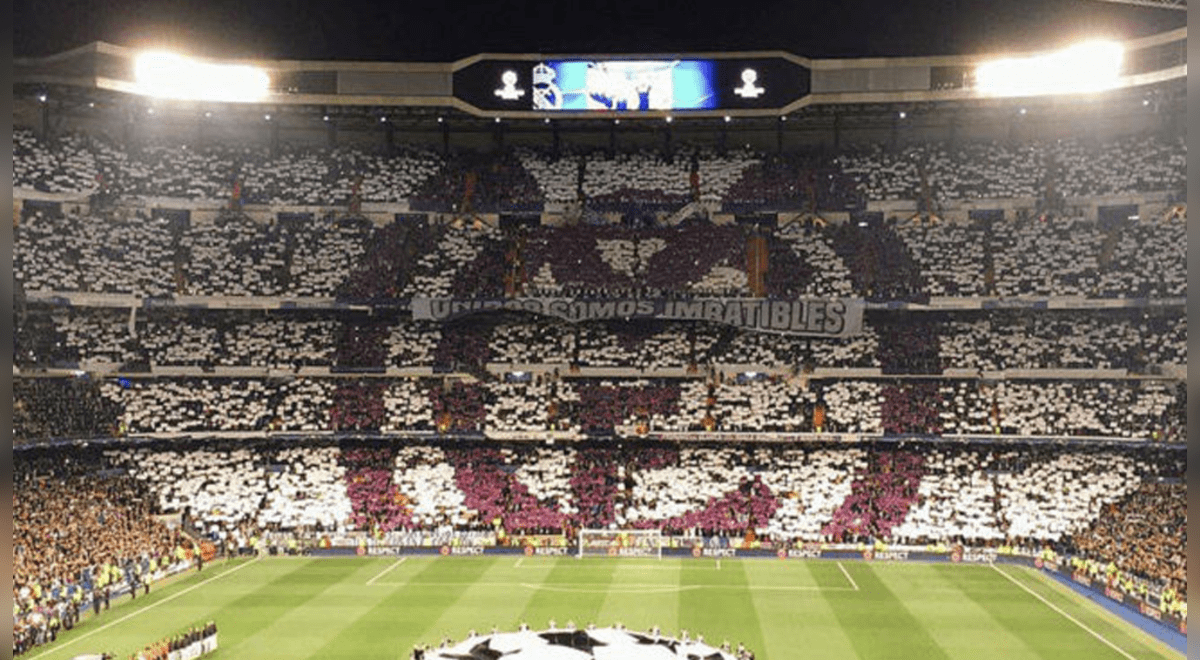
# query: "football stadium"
[[717, 354]]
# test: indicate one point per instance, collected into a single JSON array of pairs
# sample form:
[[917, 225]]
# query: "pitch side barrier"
[[1095, 589]]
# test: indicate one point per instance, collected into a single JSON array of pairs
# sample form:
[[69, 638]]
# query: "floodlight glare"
[[1091, 66], [167, 75]]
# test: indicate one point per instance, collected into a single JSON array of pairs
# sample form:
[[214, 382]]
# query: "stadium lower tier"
[[1120, 504]]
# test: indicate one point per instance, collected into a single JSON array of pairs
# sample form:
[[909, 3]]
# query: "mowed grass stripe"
[[406, 614], [1159, 645], [643, 594], [144, 621], [797, 623], [719, 614], [300, 631], [1122, 635], [957, 623], [1049, 634], [876, 621], [828, 575], [496, 599], [258, 609], [573, 590]]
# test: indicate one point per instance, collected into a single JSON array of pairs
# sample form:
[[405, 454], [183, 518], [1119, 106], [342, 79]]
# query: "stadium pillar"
[[779, 136], [389, 138], [274, 138], [445, 138], [46, 120], [837, 132], [330, 134], [612, 139], [556, 139], [498, 136]]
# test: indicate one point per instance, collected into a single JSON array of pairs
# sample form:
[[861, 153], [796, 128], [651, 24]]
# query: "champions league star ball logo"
[[508, 89], [546, 94], [569, 643], [749, 89]]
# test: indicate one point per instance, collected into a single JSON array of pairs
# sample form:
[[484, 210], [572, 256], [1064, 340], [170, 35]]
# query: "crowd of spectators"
[[113, 253], [291, 175], [1144, 536], [523, 178], [83, 520], [694, 258], [75, 521], [951, 256], [474, 183], [1146, 261], [881, 260], [880, 497], [49, 408], [83, 407], [627, 180], [454, 255], [991, 170], [81, 533], [793, 182], [881, 266], [1042, 257], [994, 341], [1136, 340], [1089, 499]]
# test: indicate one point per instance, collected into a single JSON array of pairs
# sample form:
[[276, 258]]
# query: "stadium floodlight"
[[1092, 66], [172, 76]]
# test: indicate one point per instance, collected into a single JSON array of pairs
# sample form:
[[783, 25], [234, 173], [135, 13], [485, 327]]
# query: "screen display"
[[646, 84], [623, 85]]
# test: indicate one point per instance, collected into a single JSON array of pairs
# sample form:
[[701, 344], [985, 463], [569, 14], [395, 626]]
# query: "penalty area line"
[[847, 574], [1056, 608], [386, 570], [147, 608]]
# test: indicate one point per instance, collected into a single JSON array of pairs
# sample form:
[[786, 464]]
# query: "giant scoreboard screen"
[[630, 85]]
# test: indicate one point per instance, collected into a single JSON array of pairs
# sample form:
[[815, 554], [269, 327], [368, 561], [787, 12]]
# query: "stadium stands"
[[1039, 421]]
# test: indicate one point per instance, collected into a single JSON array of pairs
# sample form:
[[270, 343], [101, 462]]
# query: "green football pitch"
[[356, 607]]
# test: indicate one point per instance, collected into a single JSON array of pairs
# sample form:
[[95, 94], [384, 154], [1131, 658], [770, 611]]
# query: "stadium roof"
[[450, 30]]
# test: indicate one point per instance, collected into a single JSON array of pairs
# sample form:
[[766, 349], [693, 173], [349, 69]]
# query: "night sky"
[[437, 30]]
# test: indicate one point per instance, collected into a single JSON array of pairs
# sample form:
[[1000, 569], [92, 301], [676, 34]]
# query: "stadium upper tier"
[[526, 179], [352, 260], [638, 234], [320, 342]]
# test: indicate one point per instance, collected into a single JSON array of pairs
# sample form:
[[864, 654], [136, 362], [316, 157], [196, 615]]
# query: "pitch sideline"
[[1097, 609], [1058, 609], [147, 608]]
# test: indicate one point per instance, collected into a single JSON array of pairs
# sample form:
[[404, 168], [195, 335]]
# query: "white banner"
[[808, 316]]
